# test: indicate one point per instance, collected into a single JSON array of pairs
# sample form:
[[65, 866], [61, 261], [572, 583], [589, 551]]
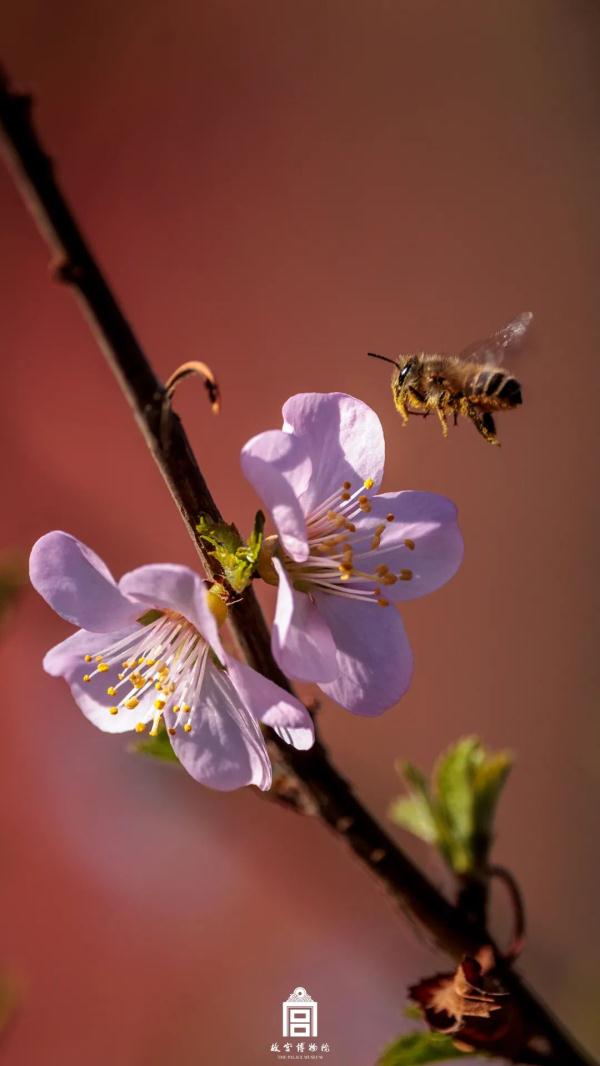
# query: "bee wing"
[[495, 350]]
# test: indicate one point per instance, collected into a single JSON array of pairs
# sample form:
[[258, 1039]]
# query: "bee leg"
[[441, 413], [484, 424], [417, 397], [400, 406]]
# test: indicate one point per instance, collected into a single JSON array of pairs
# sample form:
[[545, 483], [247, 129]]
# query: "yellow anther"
[[406, 575], [389, 517], [140, 661], [369, 483], [410, 544], [103, 667], [98, 658], [86, 677], [113, 710], [130, 704], [111, 691], [121, 676], [186, 708], [187, 727], [383, 602], [345, 566], [157, 686], [346, 576], [139, 727], [347, 485], [149, 662], [88, 658], [176, 708], [159, 704]]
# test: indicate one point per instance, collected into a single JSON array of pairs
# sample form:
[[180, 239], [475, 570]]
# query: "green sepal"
[[412, 1049], [150, 616], [455, 812], [158, 747], [415, 811], [237, 559]]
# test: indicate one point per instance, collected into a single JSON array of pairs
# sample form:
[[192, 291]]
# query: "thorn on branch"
[[67, 272], [195, 367]]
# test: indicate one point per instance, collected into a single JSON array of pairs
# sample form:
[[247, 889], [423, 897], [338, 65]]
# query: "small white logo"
[[300, 1014]]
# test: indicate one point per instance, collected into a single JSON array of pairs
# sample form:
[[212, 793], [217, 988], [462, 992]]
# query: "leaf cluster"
[[236, 557], [413, 1049], [455, 810]]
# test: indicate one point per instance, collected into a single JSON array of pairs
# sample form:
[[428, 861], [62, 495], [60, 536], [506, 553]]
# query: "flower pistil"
[[340, 549]]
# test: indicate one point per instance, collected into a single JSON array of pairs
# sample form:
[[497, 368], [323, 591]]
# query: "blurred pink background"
[[276, 188]]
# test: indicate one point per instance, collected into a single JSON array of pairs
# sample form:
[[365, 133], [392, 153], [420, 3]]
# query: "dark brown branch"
[[314, 784]]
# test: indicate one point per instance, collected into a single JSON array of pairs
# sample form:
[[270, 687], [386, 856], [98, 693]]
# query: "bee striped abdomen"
[[510, 392], [497, 385]]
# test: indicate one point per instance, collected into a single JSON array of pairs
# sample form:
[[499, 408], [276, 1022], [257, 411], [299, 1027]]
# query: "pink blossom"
[[126, 675], [344, 555]]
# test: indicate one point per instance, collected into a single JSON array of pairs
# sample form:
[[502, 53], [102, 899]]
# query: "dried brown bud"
[[471, 1003]]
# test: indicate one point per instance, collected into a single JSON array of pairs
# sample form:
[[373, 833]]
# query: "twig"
[[517, 942], [311, 774]]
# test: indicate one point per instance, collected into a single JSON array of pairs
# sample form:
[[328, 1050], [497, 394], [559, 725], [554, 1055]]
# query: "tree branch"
[[308, 779]]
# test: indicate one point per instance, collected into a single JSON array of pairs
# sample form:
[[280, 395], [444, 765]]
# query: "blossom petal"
[[273, 705], [225, 747], [176, 588], [60, 660], [67, 660], [343, 438], [301, 640], [373, 654], [278, 468], [435, 546], [77, 584]]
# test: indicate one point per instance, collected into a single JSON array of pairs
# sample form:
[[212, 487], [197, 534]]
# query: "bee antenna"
[[384, 357]]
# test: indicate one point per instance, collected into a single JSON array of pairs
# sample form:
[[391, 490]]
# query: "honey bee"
[[472, 384]]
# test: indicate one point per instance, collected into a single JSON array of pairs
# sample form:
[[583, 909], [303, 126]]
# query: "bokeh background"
[[277, 187]]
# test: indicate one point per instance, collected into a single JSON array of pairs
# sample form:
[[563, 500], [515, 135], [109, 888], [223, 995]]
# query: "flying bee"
[[473, 384]]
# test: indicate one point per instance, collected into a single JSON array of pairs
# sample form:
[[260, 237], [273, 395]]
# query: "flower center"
[[346, 559], [167, 658]]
